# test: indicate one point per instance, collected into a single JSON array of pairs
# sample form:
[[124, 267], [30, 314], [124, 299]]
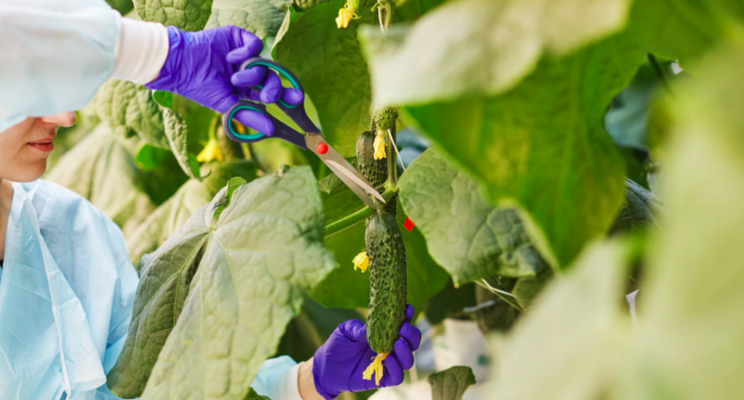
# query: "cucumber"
[[387, 281], [374, 171]]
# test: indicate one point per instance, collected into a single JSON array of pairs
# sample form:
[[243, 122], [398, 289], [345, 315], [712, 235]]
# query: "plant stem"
[[355, 218]]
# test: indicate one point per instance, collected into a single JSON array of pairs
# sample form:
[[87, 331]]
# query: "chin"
[[29, 173]]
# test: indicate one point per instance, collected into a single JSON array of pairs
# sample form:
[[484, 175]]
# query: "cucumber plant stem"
[[354, 218]]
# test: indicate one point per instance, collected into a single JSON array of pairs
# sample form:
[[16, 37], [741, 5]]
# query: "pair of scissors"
[[312, 139]]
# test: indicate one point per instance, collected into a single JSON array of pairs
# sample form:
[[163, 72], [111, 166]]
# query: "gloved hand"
[[203, 66], [339, 363]]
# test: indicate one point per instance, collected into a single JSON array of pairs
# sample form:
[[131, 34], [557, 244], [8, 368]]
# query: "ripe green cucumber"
[[387, 281], [374, 171]]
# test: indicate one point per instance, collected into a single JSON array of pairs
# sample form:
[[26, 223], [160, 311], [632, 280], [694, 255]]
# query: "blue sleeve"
[[276, 380], [53, 55]]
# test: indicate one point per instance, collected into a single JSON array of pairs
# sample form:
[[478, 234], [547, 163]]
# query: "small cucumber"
[[387, 281], [374, 171]]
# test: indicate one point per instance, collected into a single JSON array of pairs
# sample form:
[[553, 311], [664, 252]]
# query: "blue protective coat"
[[66, 293]]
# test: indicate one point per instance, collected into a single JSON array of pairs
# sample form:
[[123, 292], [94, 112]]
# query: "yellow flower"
[[361, 261], [211, 152], [379, 145], [375, 368], [345, 15]]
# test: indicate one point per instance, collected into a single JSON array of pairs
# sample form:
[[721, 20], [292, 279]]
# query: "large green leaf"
[[262, 17], [481, 46], [329, 63], [167, 219], [688, 343], [540, 143], [128, 109], [101, 169], [568, 346], [188, 15], [469, 237], [254, 264], [165, 279], [679, 29], [451, 383], [410, 10], [349, 288]]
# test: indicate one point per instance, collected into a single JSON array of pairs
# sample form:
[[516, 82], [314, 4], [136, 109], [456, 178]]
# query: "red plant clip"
[[408, 224]]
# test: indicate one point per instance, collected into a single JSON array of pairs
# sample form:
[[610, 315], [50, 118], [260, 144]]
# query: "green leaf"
[[450, 302], [451, 383], [493, 314], [176, 130], [122, 6], [259, 257], [262, 17], [252, 395], [469, 237], [542, 144], [410, 10], [187, 15], [411, 66], [232, 184], [165, 280], [309, 330], [129, 110], [271, 154], [690, 27], [101, 169], [639, 211], [568, 346], [303, 5], [149, 157], [688, 343], [167, 219], [163, 98], [425, 277], [330, 66]]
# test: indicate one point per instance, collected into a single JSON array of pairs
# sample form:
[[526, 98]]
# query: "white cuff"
[[289, 388], [140, 51]]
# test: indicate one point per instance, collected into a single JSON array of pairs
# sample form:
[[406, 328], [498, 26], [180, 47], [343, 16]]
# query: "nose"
[[63, 119]]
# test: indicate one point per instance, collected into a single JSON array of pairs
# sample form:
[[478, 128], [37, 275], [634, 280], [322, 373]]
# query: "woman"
[[66, 283]]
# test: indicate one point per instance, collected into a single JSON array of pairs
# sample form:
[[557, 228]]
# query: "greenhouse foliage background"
[[563, 153]]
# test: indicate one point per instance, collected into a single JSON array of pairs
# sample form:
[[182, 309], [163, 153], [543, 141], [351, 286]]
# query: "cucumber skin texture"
[[387, 281], [374, 171]]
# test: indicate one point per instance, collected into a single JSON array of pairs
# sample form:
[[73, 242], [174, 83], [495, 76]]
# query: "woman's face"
[[25, 147]]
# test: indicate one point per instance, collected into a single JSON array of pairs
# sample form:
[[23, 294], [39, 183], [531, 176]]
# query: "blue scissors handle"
[[281, 130], [294, 111]]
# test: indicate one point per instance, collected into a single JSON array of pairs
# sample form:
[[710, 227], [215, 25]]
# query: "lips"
[[45, 145]]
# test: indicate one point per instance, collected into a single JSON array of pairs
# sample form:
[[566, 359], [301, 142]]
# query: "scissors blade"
[[345, 171]]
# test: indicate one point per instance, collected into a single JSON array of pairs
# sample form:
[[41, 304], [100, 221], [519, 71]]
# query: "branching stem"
[[355, 218]]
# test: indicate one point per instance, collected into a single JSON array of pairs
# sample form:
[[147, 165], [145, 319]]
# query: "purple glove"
[[339, 363], [203, 66]]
